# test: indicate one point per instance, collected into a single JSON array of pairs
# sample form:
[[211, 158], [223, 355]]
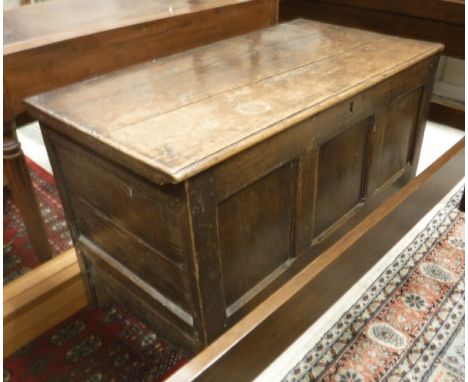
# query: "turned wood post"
[[21, 186]]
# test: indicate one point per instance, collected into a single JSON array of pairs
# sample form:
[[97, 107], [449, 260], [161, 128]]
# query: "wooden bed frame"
[[243, 352]]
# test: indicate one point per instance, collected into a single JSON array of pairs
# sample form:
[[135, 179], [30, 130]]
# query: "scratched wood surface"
[[265, 130], [24, 28], [187, 112], [60, 42]]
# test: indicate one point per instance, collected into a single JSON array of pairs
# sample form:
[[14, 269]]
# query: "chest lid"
[[179, 115]]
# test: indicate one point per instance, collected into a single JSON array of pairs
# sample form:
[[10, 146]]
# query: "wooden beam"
[[446, 11], [40, 299], [447, 112], [245, 350], [362, 14]]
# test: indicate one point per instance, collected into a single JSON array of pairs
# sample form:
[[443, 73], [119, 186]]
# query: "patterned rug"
[[409, 324], [18, 253], [95, 345]]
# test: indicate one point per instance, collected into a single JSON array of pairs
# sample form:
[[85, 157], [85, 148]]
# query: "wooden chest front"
[[196, 185]]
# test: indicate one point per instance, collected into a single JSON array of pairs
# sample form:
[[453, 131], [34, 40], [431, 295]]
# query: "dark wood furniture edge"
[[94, 29], [336, 11], [135, 32], [282, 318], [351, 14], [444, 11], [447, 112]]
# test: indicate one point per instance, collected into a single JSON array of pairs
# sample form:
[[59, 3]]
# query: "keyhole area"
[[128, 190]]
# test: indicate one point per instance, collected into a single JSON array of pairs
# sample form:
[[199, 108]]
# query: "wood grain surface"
[[185, 113], [41, 299], [60, 42], [250, 346], [432, 20], [446, 11], [50, 22], [260, 134]]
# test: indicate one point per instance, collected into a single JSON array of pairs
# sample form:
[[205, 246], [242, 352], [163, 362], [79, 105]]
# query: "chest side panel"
[[132, 234]]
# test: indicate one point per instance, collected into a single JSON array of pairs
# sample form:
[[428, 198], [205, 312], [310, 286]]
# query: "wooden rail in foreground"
[[244, 351], [54, 291], [41, 299]]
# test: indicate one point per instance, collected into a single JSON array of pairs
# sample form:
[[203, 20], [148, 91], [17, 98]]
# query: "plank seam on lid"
[[195, 163], [299, 114]]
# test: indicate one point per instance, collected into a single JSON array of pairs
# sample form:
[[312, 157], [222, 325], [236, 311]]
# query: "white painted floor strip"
[[33, 146], [436, 141]]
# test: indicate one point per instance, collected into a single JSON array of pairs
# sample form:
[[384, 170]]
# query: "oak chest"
[[196, 184], [56, 43]]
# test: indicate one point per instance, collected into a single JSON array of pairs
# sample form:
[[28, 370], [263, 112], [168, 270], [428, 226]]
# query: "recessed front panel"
[[341, 166], [399, 128], [254, 232]]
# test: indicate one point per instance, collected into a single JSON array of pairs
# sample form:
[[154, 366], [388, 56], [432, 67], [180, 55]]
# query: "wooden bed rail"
[[245, 350], [41, 299]]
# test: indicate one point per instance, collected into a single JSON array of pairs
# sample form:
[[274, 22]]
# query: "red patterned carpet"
[[409, 325], [18, 254], [95, 346]]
